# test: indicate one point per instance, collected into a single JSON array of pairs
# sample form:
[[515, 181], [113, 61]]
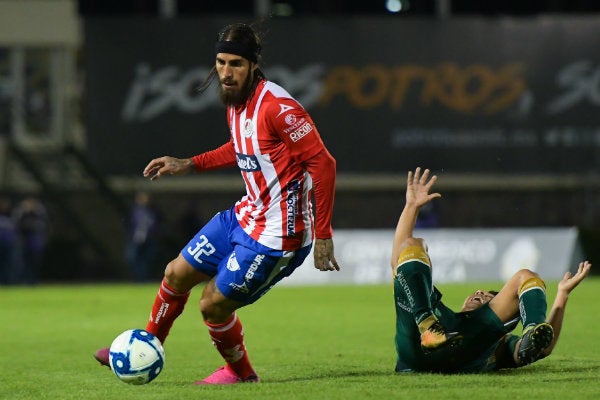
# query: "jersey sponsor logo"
[[248, 128], [247, 162], [232, 263], [404, 307], [290, 119], [292, 206], [301, 132], [254, 266], [284, 108], [406, 289], [164, 307], [296, 124], [240, 288]]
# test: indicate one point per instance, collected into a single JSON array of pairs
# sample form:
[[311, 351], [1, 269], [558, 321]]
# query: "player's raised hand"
[[418, 186], [570, 282], [167, 166]]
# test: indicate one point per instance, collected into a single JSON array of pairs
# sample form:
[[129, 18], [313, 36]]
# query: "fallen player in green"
[[430, 337]]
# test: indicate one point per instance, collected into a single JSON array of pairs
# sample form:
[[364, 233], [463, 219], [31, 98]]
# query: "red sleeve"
[[290, 121], [221, 157], [321, 168], [297, 130]]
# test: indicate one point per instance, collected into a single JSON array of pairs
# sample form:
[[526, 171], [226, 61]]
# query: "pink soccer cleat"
[[225, 376], [102, 355]]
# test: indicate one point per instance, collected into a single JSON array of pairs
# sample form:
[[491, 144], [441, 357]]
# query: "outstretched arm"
[[557, 312], [167, 165], [221, 157], [417, 195]]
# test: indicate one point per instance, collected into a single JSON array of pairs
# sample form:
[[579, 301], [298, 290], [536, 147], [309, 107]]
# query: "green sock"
[[414, 278], [532, 302]]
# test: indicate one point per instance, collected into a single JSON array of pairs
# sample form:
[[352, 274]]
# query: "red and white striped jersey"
[[271, 136]]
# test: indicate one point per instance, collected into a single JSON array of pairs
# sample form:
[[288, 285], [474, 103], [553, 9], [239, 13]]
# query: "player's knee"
[[169, 270], [178, 275], [412, 242], [171, 273], [527, 279], [525, 274], [413, 248]]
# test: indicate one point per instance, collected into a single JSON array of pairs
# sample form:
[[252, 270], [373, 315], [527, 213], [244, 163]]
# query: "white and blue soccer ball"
[[136, 356]]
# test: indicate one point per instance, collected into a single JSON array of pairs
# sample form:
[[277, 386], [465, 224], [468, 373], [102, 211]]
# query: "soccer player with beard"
[[245, 250], [430, 337]]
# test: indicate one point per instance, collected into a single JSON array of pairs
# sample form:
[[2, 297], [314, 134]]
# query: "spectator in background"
[[31, 220], [8, 238], [142, 235]]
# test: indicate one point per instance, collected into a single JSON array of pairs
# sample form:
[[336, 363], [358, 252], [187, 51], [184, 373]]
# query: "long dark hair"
[[246, 35]]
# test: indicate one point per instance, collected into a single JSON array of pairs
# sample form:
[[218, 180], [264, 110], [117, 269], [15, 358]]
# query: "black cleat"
[[535, 339]]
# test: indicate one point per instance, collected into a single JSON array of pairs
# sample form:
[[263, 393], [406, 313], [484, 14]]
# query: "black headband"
[[239, 49]]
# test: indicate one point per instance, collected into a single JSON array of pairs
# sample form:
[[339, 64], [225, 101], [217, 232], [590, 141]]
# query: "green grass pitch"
[[332, 342]]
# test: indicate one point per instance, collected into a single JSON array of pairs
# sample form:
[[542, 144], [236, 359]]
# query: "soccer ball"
[[136, 356]]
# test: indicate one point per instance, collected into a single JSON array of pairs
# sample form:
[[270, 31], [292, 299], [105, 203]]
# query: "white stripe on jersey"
[[265, 167], [266, 178]]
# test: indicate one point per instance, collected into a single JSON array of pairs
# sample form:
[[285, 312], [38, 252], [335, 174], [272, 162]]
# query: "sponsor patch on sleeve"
[[301, 132]]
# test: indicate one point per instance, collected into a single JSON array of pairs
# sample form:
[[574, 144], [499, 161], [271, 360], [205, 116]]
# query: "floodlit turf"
[[306, 343]]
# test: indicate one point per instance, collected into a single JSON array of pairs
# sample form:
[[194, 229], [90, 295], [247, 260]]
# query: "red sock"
[[228, 338], [167, 306]]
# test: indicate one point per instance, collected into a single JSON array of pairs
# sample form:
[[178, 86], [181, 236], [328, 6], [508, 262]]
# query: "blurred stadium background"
[[500, 98]]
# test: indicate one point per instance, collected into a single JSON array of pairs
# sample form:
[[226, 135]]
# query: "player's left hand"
[[570, 282], [324, 258]]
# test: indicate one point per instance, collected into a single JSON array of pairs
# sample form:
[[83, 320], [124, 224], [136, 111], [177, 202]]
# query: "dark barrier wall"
[[465, 95]]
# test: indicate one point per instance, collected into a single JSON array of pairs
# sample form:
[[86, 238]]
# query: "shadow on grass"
[[333, 375], [559, 370], [568, 370]]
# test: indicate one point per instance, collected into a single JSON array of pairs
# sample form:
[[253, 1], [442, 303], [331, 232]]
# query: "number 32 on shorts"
[[203, 247]]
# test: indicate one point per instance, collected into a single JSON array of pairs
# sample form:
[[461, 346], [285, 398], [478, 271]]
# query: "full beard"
[[237, 97]]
